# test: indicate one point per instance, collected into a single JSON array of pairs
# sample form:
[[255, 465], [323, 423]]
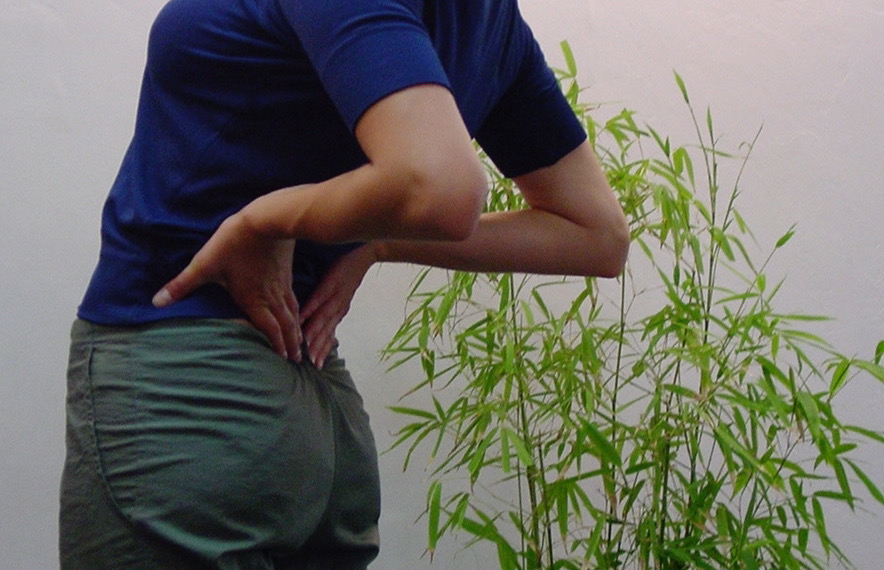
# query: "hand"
[[331, 300], [257, 272]]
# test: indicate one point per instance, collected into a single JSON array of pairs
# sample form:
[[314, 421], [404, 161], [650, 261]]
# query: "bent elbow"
[[617, 254], [614, 250], [459, 215], [447, 205]]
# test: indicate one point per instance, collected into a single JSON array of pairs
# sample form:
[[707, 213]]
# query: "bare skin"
[[417, 200]]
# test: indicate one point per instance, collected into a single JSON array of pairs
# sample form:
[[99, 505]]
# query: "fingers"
[[319, 333], [264, 320], [291, 325], [179, 287], [320, 351], [317, 299], [281, 327]]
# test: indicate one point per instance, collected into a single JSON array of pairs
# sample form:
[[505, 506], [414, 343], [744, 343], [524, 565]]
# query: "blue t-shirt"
[[242, 98]]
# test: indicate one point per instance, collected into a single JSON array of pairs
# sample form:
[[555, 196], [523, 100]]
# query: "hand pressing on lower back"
[[256, 270], [330, 301]]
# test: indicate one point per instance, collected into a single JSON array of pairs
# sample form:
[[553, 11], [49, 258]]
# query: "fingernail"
[[161, 299]]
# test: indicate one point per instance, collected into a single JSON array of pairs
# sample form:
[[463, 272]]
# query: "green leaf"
[[839, 377], [785, 238], [879, 437], [820, 520], [721, 240], [478, 458], [595, 538], [682, 88], [875, 370], [603, 444], [434, 506], [873, 489], [412, 412], [519, 444], [728, 441], [570, 62], [841, 475], [798, 496], [445, 308], [682, 162], [811, 414], [509, 357], [779, 404]]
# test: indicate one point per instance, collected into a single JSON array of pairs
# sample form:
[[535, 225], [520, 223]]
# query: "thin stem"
[[612, 514]]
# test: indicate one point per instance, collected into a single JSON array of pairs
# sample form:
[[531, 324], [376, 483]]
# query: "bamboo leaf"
[[412, 412], [875, 370], [873, 489], [841, 476], [606, 449], [570, 62], [785, 238], [478, 457], [820, 520], [682, 88], [434, 506], [728, 441], [592, 545], [519, 445], [839, 377], [876, 436], [505, 463], [811, 413]]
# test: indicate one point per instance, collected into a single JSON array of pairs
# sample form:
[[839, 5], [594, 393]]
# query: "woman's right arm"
[[573, 226]]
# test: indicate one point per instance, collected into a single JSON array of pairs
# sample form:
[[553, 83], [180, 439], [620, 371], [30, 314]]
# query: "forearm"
[[529, 241], [364, 204]]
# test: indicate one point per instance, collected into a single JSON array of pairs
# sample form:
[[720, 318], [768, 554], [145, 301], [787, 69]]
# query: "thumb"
[[179, 287]]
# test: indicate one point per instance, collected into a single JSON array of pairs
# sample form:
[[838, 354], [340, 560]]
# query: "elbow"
[[616, 255], [607, 257], [610, 261], [445, 203]]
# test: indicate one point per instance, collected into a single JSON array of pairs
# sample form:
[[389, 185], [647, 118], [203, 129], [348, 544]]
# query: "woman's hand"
[[257, 272], [331, 300]]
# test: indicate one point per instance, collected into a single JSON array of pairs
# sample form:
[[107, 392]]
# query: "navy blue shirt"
[[243, 97]]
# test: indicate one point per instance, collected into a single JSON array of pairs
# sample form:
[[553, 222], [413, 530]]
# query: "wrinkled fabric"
[[191, 444]]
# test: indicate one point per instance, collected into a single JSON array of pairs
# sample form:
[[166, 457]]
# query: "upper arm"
[[379, 67], [418, 131], [575, 188], [364, 50], [416, 139]]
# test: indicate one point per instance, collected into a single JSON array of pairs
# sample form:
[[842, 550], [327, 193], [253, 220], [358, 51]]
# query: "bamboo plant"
[[672, 418]]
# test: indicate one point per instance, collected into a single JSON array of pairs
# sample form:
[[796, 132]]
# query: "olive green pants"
[[191, 444]]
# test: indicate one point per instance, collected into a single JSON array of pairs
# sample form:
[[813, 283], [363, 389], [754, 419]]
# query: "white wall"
[[812, 72]]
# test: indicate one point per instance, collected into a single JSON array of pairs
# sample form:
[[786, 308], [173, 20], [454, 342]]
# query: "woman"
[[281, 148]]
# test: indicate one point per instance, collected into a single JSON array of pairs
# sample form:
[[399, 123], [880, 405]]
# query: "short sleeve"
[[532, 125], [364, 50]]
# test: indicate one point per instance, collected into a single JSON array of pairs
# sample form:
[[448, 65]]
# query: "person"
[[281, 148]]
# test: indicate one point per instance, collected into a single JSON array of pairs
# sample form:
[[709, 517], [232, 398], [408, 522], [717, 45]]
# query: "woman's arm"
[[422, 181], [574, 226]]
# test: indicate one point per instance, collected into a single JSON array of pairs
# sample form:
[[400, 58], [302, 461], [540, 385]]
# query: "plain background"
[[811, 71]]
